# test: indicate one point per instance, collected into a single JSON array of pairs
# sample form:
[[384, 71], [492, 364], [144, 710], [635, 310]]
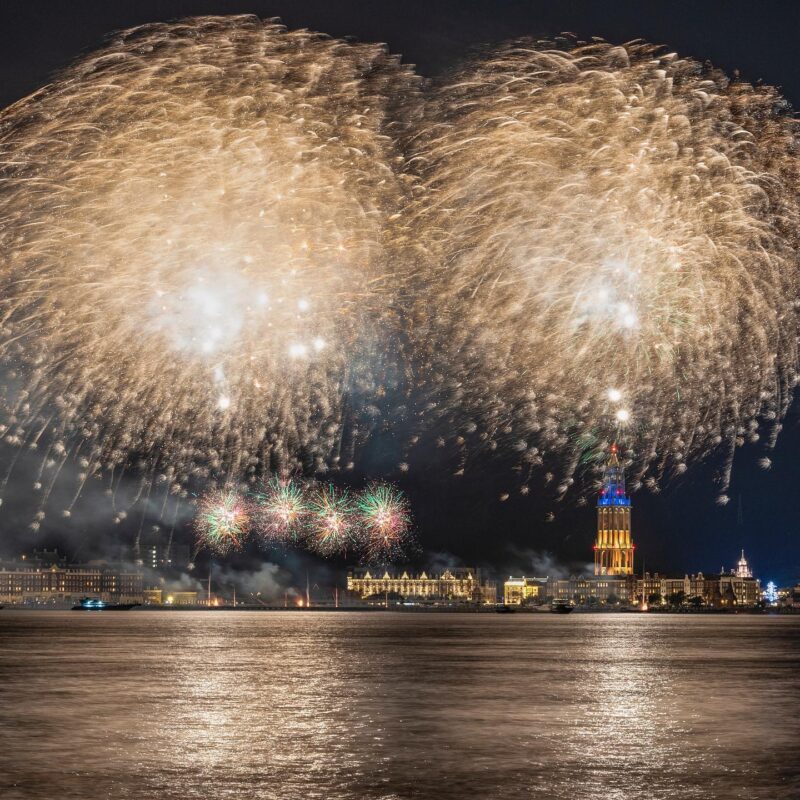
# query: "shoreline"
[[500, 610]]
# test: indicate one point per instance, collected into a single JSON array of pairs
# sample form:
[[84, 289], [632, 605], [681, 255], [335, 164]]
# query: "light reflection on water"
[[361, 706]]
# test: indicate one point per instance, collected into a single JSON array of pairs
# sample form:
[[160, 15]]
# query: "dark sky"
[[681, 529]]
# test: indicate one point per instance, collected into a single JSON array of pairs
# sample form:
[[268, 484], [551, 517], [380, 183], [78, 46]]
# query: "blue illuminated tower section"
[[613, 549]]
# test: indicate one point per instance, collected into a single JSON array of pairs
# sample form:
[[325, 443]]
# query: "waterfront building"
[[719, 590], [675, 588], [613, 549], [592, 589], [725, 589], [788, 597], [152, 596], [614, 580], [182, 598], [29, 582], [170, 597], [649, 588], [517, 591], [457, 585]]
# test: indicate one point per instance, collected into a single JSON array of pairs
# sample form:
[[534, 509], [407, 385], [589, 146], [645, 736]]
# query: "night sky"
[[681, 529]]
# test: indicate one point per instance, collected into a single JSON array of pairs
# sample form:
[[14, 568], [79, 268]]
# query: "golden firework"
[[194, 234], [610, 241]]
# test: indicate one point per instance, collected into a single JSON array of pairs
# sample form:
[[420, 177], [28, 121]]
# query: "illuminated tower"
[[743, 568], [613, 550]]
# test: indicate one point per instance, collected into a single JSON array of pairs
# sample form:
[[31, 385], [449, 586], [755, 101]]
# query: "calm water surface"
[[320, 705]]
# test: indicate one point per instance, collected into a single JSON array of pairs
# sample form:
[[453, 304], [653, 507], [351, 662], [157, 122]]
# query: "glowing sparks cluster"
[[223, 521], [333, 525], [611, 234], [374, 524], [281, 511], [195, 270], [386, 519]]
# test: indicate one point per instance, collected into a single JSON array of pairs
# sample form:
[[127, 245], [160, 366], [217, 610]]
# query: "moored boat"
[[95, 604], [561, 607]]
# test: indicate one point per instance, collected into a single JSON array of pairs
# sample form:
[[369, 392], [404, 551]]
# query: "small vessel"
[[504, 609], [95, 604], [561, 607]]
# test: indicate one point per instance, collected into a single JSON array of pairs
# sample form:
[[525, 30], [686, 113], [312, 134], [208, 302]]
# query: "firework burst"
[[333, 524], [612, 244], [385, 517], [282, 512], [603, 242], [195, 262], [223, 521]]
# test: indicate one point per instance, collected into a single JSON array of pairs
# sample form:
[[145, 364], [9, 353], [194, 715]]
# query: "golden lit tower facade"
[[613, 549]]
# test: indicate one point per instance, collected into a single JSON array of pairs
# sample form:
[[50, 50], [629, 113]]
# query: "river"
[[362, 706]]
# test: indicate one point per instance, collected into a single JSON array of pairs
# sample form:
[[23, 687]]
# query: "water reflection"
[[263, 705], [362, 706], [627, 728]]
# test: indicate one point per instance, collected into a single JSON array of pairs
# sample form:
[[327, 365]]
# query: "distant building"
[[518, 591], [725, 589], [583, 589], [152, 597], [718, 590], [648, 588], [30, 582], [788, 597], [613, 549], [181, 598], [458, 585], [674, 589], [614, 580], [169, 597], [157, 555]]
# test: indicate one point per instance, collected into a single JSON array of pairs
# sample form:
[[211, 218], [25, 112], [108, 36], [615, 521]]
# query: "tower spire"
[[743, 568], [613, 549]]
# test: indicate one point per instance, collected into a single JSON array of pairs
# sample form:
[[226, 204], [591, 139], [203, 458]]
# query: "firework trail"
[[223, 521], [385, 516], [195, 250], [606, 240]]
